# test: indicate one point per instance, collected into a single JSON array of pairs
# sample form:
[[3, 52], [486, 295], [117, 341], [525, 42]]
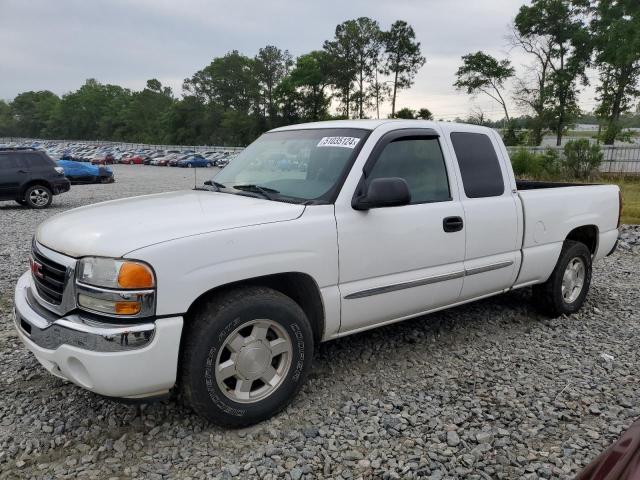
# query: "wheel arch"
[[300, 287], [586, 234], [31, 183]]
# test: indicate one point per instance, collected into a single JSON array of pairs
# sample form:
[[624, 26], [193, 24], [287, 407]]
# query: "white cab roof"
[[365, 124]]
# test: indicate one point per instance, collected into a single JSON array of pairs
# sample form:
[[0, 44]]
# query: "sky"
[[57, 44]]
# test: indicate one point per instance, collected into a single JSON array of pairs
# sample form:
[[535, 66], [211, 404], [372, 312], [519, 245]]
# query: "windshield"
[[299, 164]]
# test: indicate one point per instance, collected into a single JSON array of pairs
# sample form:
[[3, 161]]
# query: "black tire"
[[548, 296], [38, 196], [207, 332]]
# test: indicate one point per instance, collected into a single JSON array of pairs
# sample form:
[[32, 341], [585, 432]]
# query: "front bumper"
[[60, 186], [131, 361]]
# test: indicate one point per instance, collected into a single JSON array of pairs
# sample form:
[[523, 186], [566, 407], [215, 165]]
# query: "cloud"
[[56, 45]]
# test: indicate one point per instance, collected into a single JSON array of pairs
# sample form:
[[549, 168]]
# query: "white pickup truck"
[[313, 232]]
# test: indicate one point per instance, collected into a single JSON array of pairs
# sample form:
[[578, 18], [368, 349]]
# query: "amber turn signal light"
[[126, 308], [135, 275]]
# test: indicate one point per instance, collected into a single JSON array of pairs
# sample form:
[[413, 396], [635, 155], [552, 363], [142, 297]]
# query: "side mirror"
[[384, 192]]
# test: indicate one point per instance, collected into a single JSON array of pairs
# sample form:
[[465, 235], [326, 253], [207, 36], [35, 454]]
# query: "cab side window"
[[479, 165], [420, 163]]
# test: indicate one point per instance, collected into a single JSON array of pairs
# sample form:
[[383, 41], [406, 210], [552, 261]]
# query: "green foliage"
[[554, 32], [582, 158], [405, 113], [402, 57], [526, 163], [424, 114], [615, 28], [536, 165], [32, 110], [482, 73]]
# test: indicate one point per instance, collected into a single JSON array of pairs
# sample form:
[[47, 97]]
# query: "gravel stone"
[[486, 390], [453, 440]]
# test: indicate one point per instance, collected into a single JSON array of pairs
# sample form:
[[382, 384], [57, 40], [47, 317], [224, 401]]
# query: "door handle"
[[22, 171], [452, 224]]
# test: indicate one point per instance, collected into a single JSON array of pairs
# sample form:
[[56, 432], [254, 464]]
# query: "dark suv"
[[30, 177]]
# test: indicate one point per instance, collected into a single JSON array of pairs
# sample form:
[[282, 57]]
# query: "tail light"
[[619, 207]]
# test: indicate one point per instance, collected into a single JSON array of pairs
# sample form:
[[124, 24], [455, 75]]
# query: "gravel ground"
[[487, 390]]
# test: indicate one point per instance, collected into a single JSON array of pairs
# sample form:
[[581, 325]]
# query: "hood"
[[112, 229]]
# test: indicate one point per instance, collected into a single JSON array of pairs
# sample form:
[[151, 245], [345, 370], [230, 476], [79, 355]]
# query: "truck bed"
[[535, 185]]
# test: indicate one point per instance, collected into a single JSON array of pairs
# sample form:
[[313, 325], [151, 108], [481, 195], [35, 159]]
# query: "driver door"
[[398, 262]]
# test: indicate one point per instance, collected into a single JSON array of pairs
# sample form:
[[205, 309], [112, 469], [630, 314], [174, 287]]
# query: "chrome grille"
[[49, 277]]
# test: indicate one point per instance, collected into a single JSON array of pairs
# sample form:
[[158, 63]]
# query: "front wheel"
[[566, 289], [246, 354]]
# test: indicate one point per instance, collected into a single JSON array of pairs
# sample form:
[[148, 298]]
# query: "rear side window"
[[420, 163], [11, 161], [479, 165], [37, 160]]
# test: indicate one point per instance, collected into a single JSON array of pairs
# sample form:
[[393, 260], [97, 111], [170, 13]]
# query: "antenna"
[[195, 178]]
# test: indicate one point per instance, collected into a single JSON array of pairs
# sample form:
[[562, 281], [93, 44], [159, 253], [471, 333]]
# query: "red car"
[[134, 159], [106, 160]]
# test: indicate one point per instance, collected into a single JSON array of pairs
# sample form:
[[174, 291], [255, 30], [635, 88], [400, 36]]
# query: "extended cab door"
[[488, 197], [398, 262]]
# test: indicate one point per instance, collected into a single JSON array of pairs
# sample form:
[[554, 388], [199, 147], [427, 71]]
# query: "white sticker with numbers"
[[344, 142]]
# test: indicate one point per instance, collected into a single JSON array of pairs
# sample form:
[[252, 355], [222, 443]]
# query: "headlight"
[[116, 287], [113, 273]]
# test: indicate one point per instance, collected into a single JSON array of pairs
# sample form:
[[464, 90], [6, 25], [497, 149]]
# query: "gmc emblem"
[[36, 268]]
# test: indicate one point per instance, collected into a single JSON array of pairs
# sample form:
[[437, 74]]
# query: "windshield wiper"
[[266, 192], [212, 183]]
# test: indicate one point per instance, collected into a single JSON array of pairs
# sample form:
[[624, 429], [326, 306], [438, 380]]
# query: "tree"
[[533, 90], [94, 111], [424, 114], [615, 27], [402, 57], [405, 113], [6, 120], [354, 52], [229, 80], [558, 27], [271, 66], [187, 121], [148, 112], [32, 112], [311, 76], [482, 73]]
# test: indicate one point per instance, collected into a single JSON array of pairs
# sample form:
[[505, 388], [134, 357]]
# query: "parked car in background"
[[133, 160], [103, 159], [195, 161], [81, 173], [30, 178], [173, 162]]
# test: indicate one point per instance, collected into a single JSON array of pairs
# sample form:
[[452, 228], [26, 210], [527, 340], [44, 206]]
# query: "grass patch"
[[631, 198]]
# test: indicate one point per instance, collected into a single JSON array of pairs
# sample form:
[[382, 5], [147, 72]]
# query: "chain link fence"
[[617, 160]]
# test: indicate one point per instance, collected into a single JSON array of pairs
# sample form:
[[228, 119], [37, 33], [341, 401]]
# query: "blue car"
[[195, 161], [78, 172]]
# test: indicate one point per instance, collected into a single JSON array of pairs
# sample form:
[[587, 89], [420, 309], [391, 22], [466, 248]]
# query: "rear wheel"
[[566, 289], [38, 196], [245, 356]]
